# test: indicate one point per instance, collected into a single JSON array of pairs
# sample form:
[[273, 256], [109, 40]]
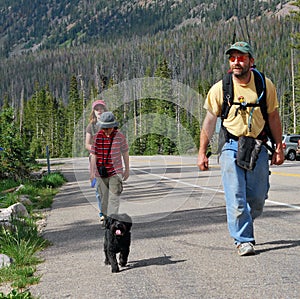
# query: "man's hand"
[[202, 161], [275, 126], [206, 134], [277, 157]]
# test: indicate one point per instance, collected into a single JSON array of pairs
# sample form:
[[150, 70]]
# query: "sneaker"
[[245, 249], [102, 221]]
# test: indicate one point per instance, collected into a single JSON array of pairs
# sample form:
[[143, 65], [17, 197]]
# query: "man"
[[109, 150], [245, 190]]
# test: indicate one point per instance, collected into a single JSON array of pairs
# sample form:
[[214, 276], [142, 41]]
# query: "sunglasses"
[[242, 58]]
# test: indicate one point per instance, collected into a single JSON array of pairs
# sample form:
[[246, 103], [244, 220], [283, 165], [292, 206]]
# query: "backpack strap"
[[109, 149], [227, 86], [228, 96], [260, 84]]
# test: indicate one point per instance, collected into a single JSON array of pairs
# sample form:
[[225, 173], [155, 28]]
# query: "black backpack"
[[228, 102], [228, 96]]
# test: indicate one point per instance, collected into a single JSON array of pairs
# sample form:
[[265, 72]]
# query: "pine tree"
[[43, 124], [165, 120], [72, 139], [296, 49], [15, 159]]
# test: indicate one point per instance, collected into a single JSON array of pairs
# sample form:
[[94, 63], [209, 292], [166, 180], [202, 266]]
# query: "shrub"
[[53, 180]]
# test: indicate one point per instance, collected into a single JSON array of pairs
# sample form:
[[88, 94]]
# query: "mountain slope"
[[37, 24], [193, 45]]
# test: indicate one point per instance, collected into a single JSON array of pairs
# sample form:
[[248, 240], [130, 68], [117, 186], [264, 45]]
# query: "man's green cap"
[[242, 47]]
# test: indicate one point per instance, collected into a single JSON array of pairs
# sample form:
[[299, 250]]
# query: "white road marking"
[[210, 189]]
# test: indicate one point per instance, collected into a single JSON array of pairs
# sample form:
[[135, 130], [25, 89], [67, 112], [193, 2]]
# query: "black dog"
[[117, 239]]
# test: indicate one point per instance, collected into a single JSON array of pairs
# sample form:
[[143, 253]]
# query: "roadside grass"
[[22, 240], [7, 184], [15, 294]]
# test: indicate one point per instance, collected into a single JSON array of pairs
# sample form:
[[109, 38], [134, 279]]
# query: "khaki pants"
[[110, 190]]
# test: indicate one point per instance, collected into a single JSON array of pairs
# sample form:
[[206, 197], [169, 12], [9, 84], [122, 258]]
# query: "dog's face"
[[118, 224]]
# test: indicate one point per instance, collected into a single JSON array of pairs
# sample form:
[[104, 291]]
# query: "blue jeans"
[[98, 197], [245, 191]]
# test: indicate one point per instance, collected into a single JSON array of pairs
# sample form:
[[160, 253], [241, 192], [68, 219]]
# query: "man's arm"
[[208, 128], [275, 127]]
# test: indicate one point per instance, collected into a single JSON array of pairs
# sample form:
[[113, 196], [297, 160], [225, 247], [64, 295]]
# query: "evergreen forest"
[[151, 61]]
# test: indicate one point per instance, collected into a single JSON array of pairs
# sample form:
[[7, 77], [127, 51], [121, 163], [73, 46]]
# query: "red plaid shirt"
[[113, 160]]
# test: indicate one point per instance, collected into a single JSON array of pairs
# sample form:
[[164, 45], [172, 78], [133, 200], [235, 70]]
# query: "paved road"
[[180, 243]]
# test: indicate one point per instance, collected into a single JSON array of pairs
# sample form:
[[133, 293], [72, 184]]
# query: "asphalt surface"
[[180, 244]]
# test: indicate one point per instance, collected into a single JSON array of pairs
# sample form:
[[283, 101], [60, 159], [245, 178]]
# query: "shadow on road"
[[278, 245]]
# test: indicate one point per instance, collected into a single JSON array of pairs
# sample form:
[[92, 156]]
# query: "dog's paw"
[[122, 264], [115, 270], [106, 262]]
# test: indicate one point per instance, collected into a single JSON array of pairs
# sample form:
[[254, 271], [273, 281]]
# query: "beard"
[[240, 72]]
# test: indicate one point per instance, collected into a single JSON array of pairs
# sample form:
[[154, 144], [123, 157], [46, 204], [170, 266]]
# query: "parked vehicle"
[[298, 150], [290, 144]]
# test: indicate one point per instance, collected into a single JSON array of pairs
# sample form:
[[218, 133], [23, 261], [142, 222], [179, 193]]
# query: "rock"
[[24, 199], [16, 210], [5, 260]]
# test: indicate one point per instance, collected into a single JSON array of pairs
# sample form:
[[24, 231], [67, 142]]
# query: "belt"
[[236, 138], [231, 136]]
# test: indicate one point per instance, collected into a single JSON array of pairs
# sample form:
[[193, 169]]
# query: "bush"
[[53, 180]]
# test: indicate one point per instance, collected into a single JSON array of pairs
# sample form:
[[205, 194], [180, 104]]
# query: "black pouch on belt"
[[248, 150]]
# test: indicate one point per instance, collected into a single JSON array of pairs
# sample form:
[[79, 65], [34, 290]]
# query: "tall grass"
[[22, 241], [39, 191], [7, 184]]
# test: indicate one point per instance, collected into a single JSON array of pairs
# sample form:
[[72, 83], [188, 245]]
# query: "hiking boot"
[[245, 249]]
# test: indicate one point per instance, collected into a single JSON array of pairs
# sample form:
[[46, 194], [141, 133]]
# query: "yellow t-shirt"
[[237, 120]]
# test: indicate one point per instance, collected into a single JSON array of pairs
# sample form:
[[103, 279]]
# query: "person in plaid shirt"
[[109, 163]]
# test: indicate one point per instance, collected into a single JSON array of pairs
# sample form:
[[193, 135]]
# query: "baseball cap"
[[98, 102], [242, 47], [107, 120]]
